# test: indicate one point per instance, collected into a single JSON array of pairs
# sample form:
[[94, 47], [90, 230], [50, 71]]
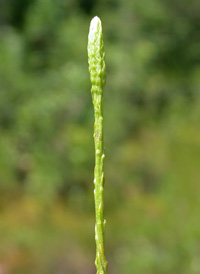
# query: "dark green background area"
[[152, 137]]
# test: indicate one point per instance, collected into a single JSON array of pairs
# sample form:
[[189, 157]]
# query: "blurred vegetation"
[[152, 127]]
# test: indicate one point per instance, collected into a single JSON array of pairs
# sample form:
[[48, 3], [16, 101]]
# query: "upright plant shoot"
[[97, 69]]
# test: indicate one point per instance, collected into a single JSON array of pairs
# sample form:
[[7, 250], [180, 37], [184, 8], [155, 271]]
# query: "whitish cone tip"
[[95, 26], [95, 21]]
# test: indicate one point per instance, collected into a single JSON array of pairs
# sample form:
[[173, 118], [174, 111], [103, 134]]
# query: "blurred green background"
[[152, 137]]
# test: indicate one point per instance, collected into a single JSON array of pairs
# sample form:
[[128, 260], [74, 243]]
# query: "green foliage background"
[[152, 136]]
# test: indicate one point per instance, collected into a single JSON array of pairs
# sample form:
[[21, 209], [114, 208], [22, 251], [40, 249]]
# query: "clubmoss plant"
[[97, 69]]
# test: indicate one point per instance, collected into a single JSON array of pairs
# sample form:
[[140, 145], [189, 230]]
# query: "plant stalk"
[[96, 60]]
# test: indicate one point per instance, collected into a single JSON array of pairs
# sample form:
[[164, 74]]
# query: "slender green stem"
[[96, 60]]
